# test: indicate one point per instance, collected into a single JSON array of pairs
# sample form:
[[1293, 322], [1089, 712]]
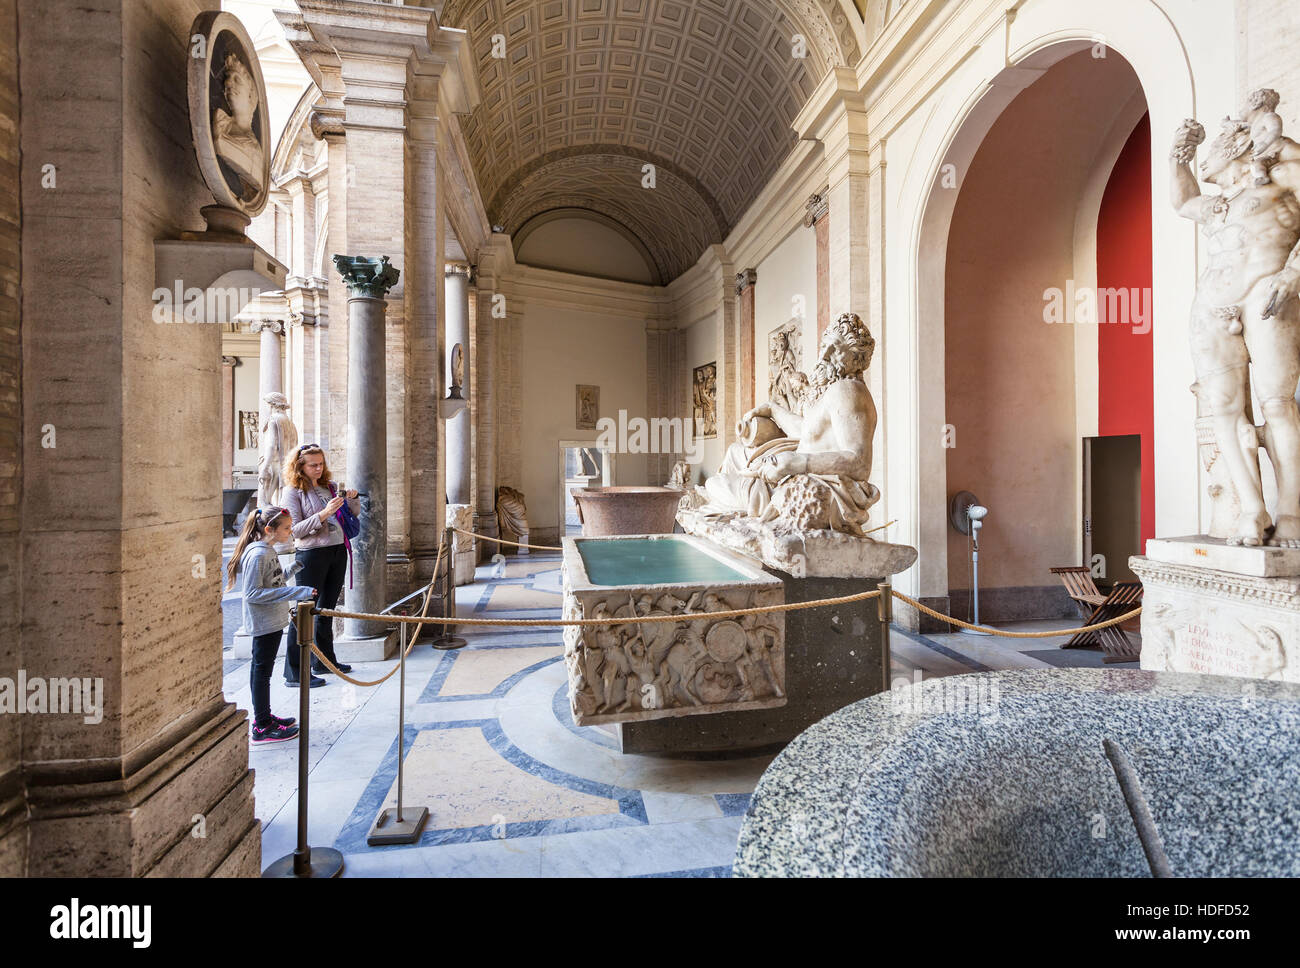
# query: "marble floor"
[[513, 788]]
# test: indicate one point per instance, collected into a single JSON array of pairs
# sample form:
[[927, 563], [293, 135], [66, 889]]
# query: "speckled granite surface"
[[1003, 774]]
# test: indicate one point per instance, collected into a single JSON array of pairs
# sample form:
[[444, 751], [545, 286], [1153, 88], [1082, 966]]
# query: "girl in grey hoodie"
[[266, 609]]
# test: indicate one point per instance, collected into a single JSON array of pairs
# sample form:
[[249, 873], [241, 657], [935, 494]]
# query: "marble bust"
[[1245, 318], [233, 136], [807, 472]]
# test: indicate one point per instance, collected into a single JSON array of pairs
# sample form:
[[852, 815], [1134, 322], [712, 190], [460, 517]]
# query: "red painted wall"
[[1124, 357]]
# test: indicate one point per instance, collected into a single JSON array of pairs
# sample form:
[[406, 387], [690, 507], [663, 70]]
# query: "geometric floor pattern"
[[512, 786]]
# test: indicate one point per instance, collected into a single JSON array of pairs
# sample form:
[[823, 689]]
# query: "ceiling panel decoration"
[[591, 90]]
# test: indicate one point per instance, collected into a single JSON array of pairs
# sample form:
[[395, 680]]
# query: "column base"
[[182, 806], [369, 648]]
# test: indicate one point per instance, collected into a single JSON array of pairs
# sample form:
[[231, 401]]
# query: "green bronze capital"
[[366, 277]]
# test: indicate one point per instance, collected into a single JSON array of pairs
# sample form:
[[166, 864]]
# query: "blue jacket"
[[265, 595]]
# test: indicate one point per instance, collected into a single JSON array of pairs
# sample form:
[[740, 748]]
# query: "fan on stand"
[[967, 515]]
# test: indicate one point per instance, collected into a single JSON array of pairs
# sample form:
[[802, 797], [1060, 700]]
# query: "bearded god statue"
[[1245, 317], [808, 471]]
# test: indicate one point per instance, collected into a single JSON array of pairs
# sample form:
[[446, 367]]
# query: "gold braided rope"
[[421, 620], [633, 620], [483, 537], [1014, 635], [411, 645]]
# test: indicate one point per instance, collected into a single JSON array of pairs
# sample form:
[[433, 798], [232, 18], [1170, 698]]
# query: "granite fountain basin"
[[626, 510], [1004, 774], [628, 672]]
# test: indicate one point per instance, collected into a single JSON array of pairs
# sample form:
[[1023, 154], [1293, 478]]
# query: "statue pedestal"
[[1220, 610], [834, 654]]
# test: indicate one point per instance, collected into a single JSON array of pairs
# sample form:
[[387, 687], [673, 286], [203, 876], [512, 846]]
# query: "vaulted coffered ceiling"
[[590, 91]]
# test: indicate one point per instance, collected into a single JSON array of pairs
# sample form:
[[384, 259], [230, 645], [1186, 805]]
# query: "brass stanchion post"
[[446, 641], [399, 828], [305, 861], [885, 609]]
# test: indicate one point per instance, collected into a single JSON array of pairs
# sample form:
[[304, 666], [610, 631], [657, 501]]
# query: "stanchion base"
[[389, 830], [325, 862], [972, 632], [446, 643]]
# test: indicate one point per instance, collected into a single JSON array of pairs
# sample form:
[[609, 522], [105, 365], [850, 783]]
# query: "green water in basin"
[[643, 561]]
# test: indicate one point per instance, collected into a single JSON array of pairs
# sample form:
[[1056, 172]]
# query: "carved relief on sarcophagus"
[[637, 665]]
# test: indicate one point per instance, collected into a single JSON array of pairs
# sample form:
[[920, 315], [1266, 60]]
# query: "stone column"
[[228, 364], [270, 375], [458, 427], [368, 282], [483, 387], [816, 219], [745, 290], [460, 510]]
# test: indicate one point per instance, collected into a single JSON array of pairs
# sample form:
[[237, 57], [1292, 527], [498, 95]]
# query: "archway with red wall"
[[1125, 393]]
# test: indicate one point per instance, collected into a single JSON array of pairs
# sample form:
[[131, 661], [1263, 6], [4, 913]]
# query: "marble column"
[[460, 510], [368, 282], [270, 374], [228, 364], [816, 219], [745, 290], [458, 427], [483, 387]]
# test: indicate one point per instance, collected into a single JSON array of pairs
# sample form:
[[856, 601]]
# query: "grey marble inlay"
[[1003, 774]]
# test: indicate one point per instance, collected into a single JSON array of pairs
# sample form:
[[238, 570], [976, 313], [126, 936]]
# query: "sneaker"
[[311, 684], [282, 721], [273, 733]]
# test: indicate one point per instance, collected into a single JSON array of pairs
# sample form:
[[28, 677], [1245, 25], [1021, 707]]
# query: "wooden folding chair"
[[1095, 607]]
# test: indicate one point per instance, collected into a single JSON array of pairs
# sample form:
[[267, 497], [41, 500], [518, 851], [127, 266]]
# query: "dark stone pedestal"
[[832, 658]]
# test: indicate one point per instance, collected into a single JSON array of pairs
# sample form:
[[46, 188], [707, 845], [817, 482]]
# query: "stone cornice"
[[1277, 592], [586, 294]]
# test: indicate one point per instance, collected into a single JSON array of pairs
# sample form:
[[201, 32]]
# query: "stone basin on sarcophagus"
[[634, 671]]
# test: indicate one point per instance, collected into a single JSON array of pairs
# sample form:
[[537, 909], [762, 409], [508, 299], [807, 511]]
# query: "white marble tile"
[[628, 851], [672, 807]]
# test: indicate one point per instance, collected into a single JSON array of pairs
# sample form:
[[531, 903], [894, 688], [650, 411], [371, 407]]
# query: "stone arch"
[[949, 129]]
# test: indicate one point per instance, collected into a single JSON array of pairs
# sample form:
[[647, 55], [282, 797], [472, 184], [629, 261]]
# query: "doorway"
[[1112, 506], [582, 464]]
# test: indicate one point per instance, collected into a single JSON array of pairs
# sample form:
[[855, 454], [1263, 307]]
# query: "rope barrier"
[[631, 620], [483, 537], [423, 611], [1014, 635], [424, 619]]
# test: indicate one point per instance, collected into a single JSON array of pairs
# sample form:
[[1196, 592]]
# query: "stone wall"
[[1266, 55], [13, 809], [121, 569]]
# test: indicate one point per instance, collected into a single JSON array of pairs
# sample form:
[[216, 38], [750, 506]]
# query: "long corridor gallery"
[[649, 439]]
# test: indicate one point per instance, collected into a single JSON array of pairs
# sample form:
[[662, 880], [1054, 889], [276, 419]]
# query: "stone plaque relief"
[[588, 406], [228, 113], [1210, 636], [622, 673], [704, 399], [786, 382]]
